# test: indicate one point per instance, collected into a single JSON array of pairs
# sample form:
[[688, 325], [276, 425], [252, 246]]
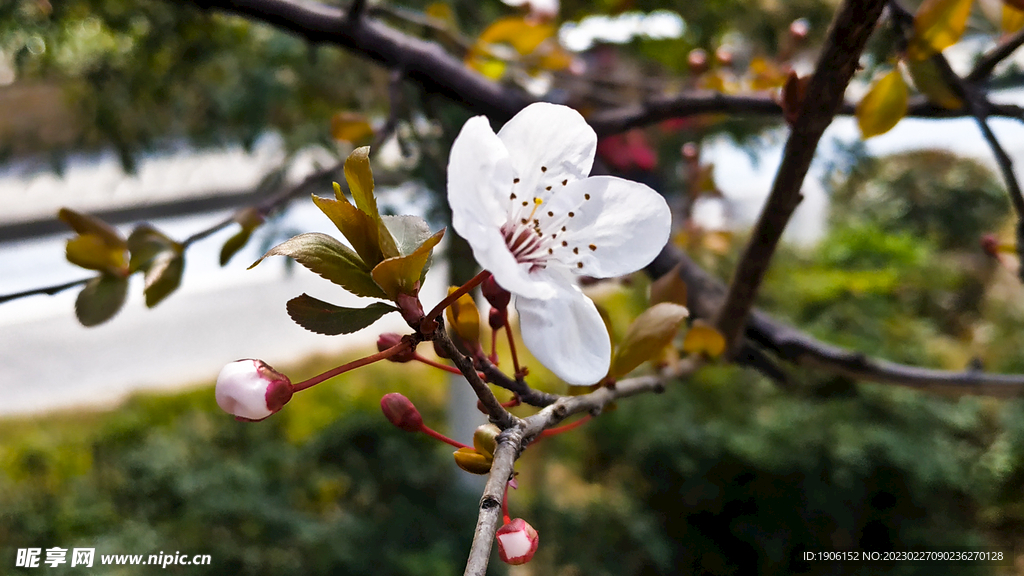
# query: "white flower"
[[523, 201], [252, 390]]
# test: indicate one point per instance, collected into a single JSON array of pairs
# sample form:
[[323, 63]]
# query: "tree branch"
[[847, 36], [984, 67], [498, 415]]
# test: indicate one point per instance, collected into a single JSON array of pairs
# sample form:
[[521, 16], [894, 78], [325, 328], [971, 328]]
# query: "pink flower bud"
[[390, 340], [497, 318], [517, 542], [400, 411], [252, 390], [496, 295], [698, 61], [410, 308]]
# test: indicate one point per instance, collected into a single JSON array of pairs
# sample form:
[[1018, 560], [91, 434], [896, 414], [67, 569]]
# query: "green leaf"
[[330, 259], [647, 336], [409, 232], [92, 252], [85, 224], [359, 228], [883, 106], [145, 243], [101, 299], [929, 81], [163, 276], [938, 25], [360, 183], [326, 318], [402, 275], [234, 244]]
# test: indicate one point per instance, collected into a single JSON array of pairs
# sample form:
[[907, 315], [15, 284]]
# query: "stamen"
[[564, 182], [592, 247], [512, 196], [536, 204], [586, 196], [550, 214], [515, 180], [571, 214], [576, 250], [579, 264], [548, 188], [543, 168]]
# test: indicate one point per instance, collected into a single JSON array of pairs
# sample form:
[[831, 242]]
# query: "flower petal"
[[619, 229], [548, 144], [479, 182], [567, 335]]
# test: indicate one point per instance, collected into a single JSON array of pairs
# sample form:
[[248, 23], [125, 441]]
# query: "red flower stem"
[[397, 348], [473, 283], [504, 505], [494, 347], [566, 427], [512, 348], [441, 437], [444, 367]]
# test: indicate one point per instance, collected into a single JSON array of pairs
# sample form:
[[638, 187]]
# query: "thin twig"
[[984, 67], [50, 290], [497, 413], [847, 36]]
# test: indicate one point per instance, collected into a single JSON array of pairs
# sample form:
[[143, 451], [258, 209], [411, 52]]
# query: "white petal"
[[626, 222], [479, 183], [566, 334], [242, 391], [548, 143], [515, 544]]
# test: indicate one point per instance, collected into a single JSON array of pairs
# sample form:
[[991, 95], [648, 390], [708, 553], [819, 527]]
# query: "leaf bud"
[[472, 461], [485, 439], [251, 390], [517, 542], [495, 294], [390, 340], [799, 29], [400, 411]]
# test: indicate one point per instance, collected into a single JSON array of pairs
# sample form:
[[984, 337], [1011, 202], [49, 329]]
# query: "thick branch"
[[847, 36]]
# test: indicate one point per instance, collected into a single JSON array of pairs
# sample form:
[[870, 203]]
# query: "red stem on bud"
[[402, 346], [435, 434], [473, 282], [566, 427]]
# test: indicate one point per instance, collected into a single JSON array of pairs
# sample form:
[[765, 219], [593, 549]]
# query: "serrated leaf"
[[408, 231], [703, 339], [360, 183], [145, 243], [669, 288], [350, 127], [938, 25], [357, 227], [929, 81], [101, 299], [86, 224], [93, 252], [402, 275], [234, 244], [647, 335], [326, 318], [464, 317], [330, 259], [883, 106], [163, 276]]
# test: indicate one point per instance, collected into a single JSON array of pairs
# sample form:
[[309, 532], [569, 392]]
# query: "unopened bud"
[[464, 318], [495, 294], [698, 61], [799, 29], [497, 318], [390, 340], [400, 411], [485, 439], [472, 461], [252, 390], [517, 542], [724, 56]]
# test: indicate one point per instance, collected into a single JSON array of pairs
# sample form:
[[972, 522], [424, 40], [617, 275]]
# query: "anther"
[[543, 168], [547, 188], [571, 214], [564, 243], [524, 220], [563, 228], [525, 203], [575, 250], [592, 247], [551, 250], [550, 214], [586, 196], [515, 180], [512, 196], [579, 264], [564, 182]]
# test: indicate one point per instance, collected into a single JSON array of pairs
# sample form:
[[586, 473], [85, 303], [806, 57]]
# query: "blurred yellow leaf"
[[350, 127], [86, 224], [441, 12], [472, 461], [92, 252], [669, 288], [883, 106], [1013, 18], [485, 439], [703, 339], [401, 275], [510, 38], [360, 183], [646, 336], [358, 228], [938, 24], [764, 74], [464, 317], [929, 81]]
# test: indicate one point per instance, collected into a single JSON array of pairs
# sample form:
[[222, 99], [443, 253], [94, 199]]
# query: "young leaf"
[[703, 339], [464, 317], [938, 25], [408, 231], [356, 226], [928, 80], [350, 127], [234, 244], [647, 336], [669, 288], [402, 275], [330, 259], [326, 318], [145, 243], [360, 182], [472, 461], [883, 105], [163, 276], [92, 252], [101, 299], [85, 224]]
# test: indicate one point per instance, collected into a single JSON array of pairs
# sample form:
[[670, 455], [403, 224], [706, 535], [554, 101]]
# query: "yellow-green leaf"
[[1012, 17], [350, 127], [326, 318], [472, 461], [703, 339], [485, 439], [883, 106], [929, 81], [360, 183], [330, 259], [234, 244], [647, 336], [401, 275], [145, 243], [938, 25], [101, 299], [669, 288], [86, 224], [358, 227], [163, 276], [464, 317], [92, 252]]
